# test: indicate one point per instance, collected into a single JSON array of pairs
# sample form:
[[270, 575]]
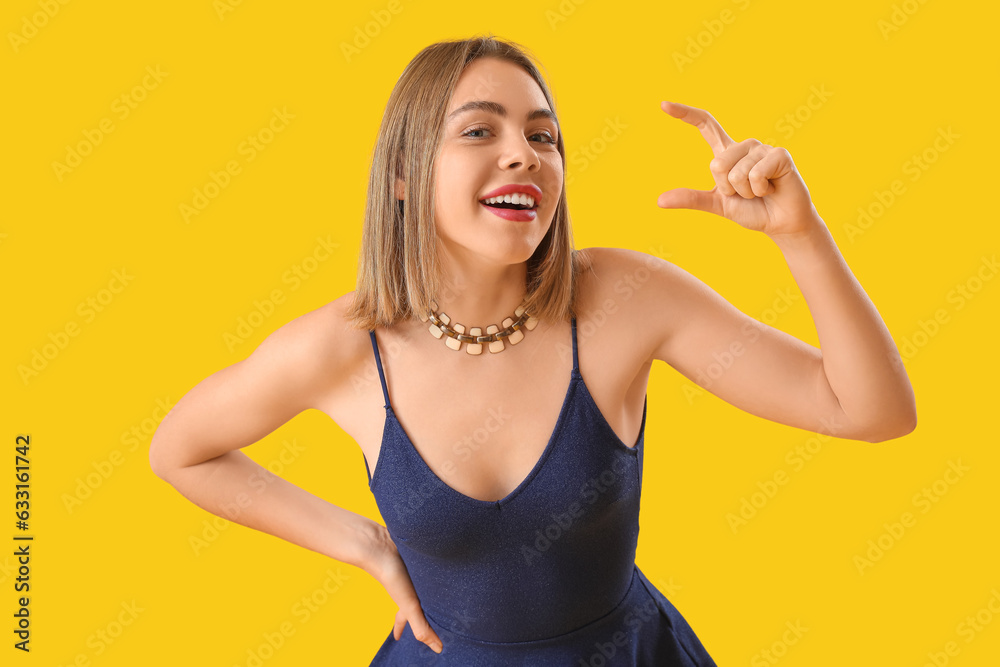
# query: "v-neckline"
[[390, 416]]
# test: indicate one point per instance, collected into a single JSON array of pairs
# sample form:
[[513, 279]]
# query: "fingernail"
[[437, 648]]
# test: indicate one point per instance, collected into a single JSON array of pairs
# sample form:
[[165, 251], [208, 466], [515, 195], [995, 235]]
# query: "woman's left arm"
[[758, 187]]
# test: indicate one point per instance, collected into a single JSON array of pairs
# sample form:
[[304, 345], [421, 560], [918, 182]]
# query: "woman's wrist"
[[369, 543]]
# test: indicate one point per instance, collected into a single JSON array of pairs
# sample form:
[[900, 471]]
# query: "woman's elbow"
[[158, 461], [896, 428]]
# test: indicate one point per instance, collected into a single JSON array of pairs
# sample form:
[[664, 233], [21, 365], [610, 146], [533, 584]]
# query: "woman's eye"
[[548, 137], [474, 129]]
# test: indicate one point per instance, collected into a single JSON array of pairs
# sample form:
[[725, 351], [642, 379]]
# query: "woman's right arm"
[[195, 449], [196, 446]]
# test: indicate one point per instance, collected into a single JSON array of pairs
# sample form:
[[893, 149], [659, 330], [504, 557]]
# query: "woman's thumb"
[[701, 200]]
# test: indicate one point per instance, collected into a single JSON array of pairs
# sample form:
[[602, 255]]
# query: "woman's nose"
[[521, 154]]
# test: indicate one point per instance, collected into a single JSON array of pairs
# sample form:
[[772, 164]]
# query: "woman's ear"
[[400, 189]]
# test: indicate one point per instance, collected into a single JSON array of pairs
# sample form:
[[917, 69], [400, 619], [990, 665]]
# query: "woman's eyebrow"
[[500, 110]]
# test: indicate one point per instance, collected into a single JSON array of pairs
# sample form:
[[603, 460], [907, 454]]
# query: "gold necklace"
[[455, 335]]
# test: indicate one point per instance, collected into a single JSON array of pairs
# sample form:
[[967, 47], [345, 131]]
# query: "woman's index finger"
[[704, 121]]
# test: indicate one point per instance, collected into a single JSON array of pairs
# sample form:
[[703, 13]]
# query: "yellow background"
[[62, 239]]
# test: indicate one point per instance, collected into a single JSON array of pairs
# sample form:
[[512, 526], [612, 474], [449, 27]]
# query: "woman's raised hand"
[[384, 563], [756, 185]]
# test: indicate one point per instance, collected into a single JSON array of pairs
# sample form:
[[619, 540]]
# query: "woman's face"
[[482, 150]]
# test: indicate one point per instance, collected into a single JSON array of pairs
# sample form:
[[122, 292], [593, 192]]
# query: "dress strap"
[[576, 365], [378, 361]]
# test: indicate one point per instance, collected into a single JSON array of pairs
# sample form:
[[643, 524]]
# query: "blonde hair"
[[397, 265]]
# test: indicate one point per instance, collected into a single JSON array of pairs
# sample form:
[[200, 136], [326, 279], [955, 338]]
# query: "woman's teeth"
[[516, 200]]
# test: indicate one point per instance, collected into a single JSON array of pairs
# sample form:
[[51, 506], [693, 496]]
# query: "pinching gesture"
[[756, 185]]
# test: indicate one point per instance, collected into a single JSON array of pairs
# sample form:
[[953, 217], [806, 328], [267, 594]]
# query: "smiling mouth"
[[515, 207]]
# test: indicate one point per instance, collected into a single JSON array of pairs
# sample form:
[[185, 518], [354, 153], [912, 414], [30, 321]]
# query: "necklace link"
[[455, 335]]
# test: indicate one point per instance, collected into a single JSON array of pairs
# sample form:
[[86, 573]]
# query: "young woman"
[[504, 436]]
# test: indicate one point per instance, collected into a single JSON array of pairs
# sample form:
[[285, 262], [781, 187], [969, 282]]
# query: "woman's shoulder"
[[646, 295], [609, 255], [613, 279], [320, 345]]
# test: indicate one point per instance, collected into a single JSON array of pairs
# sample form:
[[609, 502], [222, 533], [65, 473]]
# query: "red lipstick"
[[515, 215]]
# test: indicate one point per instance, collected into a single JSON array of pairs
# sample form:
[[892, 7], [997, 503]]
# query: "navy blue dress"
[[545, 575]]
